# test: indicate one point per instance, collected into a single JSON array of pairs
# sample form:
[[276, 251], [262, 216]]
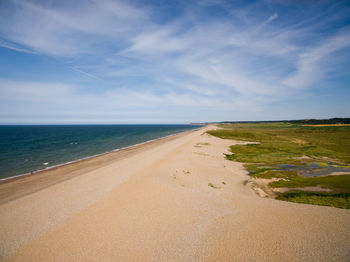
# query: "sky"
[[126, 62]]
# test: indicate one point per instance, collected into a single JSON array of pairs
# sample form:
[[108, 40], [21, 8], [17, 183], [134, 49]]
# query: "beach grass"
[[212, 185]]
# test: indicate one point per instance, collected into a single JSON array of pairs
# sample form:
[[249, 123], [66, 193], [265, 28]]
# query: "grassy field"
[[281, 142], [285, 143]]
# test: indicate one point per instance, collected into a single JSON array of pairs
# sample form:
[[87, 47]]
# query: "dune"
[[178, 199]]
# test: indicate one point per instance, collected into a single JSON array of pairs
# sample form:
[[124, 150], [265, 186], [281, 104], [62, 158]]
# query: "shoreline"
[[173, 199], [88, 157], [11, 188]]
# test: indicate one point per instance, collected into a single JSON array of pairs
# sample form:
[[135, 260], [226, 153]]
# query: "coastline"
[[88, 157], [173, 200], [17, 186]]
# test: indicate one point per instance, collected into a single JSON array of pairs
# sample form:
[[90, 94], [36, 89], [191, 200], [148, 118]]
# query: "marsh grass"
[[339, 183], [322, 164], [269, 173], [284, 143], [323, 199], [280, 142], [341, 166]]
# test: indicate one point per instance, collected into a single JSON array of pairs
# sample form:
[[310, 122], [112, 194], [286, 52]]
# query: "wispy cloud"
[[243, 57], [60, 100], [83, 72], [71, 28], [14, 47], [313, 64]]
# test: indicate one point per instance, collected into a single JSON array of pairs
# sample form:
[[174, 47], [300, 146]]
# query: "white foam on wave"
[[88, 157]]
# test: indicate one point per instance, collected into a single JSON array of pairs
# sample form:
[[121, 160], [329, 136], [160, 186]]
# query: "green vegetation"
[[338, 183], [323, 199], [329, 121], [323, 121], [211, 185], [322, 164], [268, 173], [290, 143], [281, 142], [341, 166]]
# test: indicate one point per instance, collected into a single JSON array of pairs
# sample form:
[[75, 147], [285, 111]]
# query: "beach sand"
[[155, 204]]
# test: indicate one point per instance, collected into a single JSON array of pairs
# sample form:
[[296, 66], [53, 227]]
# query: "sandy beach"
[[153, 202]]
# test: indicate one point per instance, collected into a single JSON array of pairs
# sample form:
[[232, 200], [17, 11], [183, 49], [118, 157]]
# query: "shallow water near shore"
[[25, 149]]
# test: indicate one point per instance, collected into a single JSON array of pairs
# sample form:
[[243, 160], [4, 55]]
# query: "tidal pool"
[[314, 169]]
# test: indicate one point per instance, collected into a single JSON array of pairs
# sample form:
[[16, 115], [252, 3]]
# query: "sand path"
[[156, 205]]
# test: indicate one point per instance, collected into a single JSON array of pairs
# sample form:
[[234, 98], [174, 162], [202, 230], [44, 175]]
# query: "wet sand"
[[155, 204]]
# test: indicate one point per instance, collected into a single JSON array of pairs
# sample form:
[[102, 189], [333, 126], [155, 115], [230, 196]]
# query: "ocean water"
[[25, 149]]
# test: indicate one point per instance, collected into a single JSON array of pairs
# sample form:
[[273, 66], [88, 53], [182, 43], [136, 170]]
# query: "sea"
[[29, 148]]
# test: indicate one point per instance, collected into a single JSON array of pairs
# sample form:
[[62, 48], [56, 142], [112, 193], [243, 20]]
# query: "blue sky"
[[104, 61]]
